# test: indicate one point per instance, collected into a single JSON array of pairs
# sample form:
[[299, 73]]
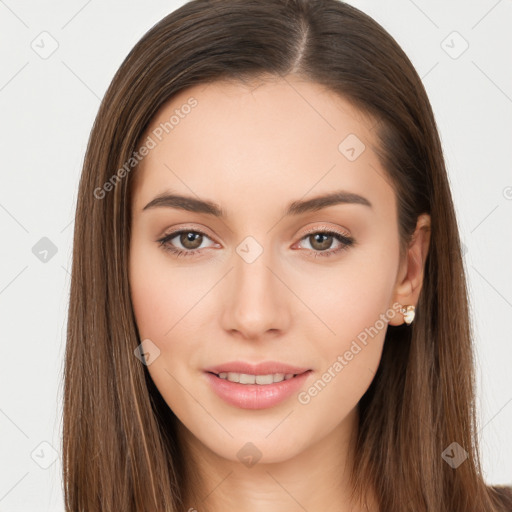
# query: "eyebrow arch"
[[192, 204]]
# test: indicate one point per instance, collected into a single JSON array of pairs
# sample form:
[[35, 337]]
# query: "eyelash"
[[346, 242]]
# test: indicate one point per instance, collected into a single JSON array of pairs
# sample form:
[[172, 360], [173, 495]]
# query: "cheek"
[[350, 300], [349, 363], [152, 304], [354, 306], [160, 296], [161, 299], [167, 304]]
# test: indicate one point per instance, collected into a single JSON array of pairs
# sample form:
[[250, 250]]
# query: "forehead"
[[230, 139]]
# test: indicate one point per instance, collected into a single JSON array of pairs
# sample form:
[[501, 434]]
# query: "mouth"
[[260, 386], [263, 368], [248, 378]]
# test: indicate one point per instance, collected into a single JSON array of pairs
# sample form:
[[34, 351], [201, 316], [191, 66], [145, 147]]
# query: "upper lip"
[[265, 368]]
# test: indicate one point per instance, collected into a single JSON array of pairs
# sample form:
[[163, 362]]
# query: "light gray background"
[[48, 106]]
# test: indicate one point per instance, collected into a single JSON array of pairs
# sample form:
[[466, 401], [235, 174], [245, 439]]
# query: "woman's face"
[[260, 284]]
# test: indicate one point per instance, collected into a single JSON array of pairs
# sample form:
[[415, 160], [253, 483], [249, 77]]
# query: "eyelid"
[[175, 230], [316, 229]]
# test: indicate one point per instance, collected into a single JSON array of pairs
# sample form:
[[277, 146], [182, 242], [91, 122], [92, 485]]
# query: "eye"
[[320, 241], [190, 240]]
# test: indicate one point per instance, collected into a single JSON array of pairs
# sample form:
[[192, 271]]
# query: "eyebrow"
[[192, 204]]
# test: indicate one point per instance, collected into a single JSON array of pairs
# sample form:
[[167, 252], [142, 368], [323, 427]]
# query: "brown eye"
[[185, 242], [191, 239], [320, 241]]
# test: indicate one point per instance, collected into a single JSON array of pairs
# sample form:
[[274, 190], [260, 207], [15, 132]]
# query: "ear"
[[410, 274]]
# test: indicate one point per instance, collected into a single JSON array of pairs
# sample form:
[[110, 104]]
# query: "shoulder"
[[503, 496]]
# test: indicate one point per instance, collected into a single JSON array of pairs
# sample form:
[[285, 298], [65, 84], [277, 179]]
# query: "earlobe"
[[410, 278]]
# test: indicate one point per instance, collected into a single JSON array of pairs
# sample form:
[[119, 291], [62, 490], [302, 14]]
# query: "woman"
[[268, 302]]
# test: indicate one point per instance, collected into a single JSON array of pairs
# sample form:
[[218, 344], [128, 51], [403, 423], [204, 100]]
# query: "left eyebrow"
[[323, 201], [193, 204]]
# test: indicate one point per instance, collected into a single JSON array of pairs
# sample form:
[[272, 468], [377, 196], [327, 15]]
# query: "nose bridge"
[[256, 303], [253, 279], [251, 269]]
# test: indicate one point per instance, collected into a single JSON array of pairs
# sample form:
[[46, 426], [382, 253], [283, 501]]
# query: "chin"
[[264, 445]]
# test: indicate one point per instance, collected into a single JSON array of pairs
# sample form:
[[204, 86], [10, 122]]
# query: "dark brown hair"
[[120, 450]]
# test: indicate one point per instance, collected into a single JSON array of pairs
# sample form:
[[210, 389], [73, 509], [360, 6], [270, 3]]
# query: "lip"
[[256, 369], [256, 396]]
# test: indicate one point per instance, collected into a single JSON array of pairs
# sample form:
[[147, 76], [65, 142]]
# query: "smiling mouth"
[[263, 386], [247, 378]]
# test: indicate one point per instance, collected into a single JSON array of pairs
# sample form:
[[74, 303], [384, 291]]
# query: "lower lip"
[[255, 396]]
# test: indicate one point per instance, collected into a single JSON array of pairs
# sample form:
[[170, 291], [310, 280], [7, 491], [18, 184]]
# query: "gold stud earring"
[[408, 312]]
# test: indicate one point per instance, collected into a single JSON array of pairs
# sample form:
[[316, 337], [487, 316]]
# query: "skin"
[[253, 150]]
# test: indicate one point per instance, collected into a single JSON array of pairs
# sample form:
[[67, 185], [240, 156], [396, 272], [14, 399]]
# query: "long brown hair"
[[120, 450]]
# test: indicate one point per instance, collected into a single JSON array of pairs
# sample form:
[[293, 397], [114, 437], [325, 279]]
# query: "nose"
[[257, 301]]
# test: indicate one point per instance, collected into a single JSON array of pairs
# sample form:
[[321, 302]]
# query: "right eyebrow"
[[187, 203]]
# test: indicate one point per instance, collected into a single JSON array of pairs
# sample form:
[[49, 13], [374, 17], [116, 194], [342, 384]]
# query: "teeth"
[[233, 377], [244, 378]]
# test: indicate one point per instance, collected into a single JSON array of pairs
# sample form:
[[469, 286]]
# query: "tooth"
[[247, 379], [264, 379], [244, 378]]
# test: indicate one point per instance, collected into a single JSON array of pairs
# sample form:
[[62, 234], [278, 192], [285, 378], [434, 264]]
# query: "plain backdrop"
[[57, 60]]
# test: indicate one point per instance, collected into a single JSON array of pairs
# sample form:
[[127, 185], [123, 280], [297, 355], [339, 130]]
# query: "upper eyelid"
[[326, 229], [321, 225], [174, 232], [179, 231]]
